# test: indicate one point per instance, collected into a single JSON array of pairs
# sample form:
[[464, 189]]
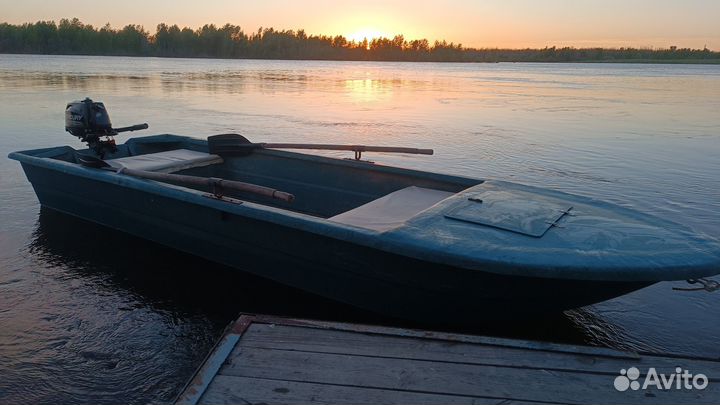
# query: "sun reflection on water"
[[368, 89]]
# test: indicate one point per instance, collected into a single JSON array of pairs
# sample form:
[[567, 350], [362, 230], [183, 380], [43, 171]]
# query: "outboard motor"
[[89, 121]]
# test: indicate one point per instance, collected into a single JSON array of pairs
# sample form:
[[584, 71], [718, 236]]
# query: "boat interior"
[[348, 191]]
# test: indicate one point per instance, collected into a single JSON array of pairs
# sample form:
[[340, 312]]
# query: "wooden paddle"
[[215, 184], [235, 144]]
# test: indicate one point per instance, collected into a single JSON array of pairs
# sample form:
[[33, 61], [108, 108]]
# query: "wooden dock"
[[272, 360]]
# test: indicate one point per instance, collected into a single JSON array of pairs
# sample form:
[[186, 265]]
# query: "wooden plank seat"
[[392, 210], [166, 162]]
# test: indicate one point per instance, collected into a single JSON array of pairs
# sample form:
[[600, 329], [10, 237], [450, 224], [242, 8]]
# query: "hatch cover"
[[515, 211]]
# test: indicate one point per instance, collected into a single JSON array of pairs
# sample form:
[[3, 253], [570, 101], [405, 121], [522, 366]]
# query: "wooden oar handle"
[[355, 148], [251, 188], [212, 182]]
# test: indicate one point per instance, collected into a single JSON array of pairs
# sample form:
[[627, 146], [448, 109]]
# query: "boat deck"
[[263, 359]]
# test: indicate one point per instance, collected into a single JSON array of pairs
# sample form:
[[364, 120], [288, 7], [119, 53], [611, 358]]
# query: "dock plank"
[[345, 342], [243, 390], [446, 378]]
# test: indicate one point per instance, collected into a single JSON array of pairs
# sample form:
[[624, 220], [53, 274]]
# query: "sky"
[[473, 23]]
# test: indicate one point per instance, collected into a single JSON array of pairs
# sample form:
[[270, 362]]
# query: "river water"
[[88, 315]]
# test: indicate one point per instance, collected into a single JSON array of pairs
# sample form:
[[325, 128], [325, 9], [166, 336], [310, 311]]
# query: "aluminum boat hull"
[[432, 268]]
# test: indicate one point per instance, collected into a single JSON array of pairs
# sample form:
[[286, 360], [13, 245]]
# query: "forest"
[[72, 37]]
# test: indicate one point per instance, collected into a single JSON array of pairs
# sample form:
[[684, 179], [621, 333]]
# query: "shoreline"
[[604, 61]]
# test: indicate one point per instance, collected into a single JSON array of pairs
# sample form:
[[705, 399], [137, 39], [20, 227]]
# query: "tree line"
[[72, 37]]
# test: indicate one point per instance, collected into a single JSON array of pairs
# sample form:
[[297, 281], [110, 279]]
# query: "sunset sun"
[[366, 32]]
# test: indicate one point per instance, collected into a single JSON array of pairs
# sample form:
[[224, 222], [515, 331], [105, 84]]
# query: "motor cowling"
[[89, 121], [87, 118]]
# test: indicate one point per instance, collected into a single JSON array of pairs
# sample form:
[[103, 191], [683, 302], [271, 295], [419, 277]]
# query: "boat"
[[405, 243]]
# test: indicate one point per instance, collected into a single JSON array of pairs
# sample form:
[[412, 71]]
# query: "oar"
[[215, 184], [235, 144]]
